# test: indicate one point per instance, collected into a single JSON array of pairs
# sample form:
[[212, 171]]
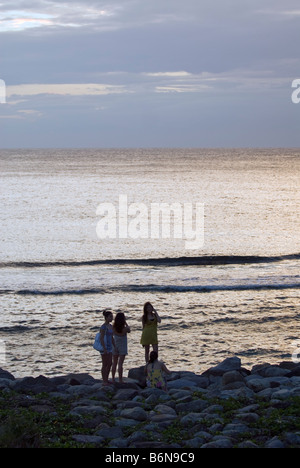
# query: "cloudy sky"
[[158, 73]]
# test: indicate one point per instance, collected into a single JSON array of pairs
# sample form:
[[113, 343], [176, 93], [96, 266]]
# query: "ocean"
[[79, 236]]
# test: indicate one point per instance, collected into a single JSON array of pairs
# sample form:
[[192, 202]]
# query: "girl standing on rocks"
[[150, 320], [120, 330], [107, 342]]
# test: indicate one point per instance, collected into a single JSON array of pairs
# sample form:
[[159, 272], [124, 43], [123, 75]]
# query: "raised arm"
[[156, 315]]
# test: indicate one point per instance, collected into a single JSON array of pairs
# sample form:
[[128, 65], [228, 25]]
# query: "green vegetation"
[[43, 422], [25, 427]]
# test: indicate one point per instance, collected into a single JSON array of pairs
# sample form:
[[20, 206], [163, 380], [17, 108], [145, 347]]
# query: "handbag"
[[97, 345]]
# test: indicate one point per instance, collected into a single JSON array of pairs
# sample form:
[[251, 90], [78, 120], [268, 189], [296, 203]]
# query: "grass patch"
[[22, 427]]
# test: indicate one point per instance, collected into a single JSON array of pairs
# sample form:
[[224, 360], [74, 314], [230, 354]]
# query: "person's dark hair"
[[106, 313], [119, 322], [144, 318], [153, 356]]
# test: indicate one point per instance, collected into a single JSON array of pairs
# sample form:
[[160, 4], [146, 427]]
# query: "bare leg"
[[120, 367], [155, 348], [106, 365], [147, 349], [114, 366]]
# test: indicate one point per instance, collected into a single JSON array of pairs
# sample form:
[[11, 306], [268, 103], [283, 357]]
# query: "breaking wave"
[[147, 288], [164, 261]]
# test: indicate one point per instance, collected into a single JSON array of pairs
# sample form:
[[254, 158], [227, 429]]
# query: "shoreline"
[[226, 406]]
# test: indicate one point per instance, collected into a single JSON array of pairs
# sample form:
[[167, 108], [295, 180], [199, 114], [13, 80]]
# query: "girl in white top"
[[107, 343]]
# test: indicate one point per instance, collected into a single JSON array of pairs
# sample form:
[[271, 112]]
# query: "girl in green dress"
[[150, 320]]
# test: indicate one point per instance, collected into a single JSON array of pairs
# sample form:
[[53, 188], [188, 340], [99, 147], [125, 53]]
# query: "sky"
[[159, 73]]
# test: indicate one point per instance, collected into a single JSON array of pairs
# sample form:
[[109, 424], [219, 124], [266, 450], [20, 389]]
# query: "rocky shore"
[[227, 406]]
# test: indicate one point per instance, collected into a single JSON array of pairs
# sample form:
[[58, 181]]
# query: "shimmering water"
[[237, 294]]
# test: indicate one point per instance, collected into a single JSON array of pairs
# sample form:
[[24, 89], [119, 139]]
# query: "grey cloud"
[[185, 68], [125, 14], [153, 36]]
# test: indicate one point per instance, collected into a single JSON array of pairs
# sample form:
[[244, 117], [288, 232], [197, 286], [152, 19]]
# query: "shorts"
[[120, 345], [108, 348]]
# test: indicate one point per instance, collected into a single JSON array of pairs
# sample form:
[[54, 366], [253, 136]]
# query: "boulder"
[[161, 419], [78, 379], [88, 439], [235, 429], [119, 443], [257, 385], [80, 390], [138, 436], [138, 374], [198, 380], [192, 406], [220, 442], [232, 379], [229, 364], [294, 372], [275, 371], [283, 393], [165, 409], [181, 383], [192, 418], [34, 385], [125, 394], [108, 432], [88, 411], [6, 375], [136, 413], [275, 442], [247, 444], [268, 370]]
